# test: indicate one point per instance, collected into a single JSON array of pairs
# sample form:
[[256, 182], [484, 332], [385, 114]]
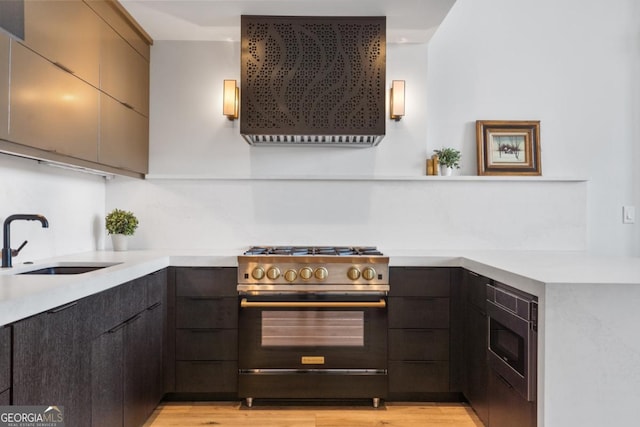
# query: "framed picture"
[[508, 147]]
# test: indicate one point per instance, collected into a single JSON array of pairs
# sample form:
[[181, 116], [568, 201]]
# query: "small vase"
[[119, 242], [445, 171]]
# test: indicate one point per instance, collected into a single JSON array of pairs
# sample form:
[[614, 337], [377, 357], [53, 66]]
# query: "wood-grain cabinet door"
[[66, 33], [52, 362], [124, 136], [4, 86], [51, 109]]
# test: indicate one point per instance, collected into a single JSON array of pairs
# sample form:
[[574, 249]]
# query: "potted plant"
[[448, 158], [120, 224]]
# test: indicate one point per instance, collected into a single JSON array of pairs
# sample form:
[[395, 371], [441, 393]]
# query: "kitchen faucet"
[[7, 252]]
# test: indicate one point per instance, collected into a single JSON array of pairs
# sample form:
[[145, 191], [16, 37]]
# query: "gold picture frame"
[[508, 147]]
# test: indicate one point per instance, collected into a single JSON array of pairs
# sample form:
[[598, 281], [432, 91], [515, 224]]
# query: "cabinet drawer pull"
[[205, 298], [63, 68], [204, 331], [504, 380], [117, 328], [64, 307], [419, 362]]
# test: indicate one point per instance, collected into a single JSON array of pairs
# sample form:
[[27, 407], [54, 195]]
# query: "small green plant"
[[449, 157], [121, 222]]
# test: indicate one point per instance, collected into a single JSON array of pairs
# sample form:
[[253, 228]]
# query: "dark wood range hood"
[[313, 80]]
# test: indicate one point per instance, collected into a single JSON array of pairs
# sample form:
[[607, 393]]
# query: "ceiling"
[[408, 21]]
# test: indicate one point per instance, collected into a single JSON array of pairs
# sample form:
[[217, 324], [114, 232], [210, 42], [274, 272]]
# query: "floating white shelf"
[[465, 178]]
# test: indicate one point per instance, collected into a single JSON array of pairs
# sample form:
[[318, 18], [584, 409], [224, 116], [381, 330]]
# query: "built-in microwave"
[[512, 322]]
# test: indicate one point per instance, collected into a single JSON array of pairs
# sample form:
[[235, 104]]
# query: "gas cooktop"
[[313, 269]]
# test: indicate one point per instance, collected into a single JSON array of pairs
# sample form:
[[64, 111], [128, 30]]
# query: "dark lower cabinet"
[[136, 379], [52, 362], [107, 377], [127, 380], [507, 408], [419, 335], [205, 350], [476, 365], [99, 357]]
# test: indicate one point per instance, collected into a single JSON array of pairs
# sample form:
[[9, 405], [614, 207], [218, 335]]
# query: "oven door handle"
[[316, 304]]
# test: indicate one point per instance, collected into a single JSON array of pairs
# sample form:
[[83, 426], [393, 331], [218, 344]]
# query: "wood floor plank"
[[233, 414]]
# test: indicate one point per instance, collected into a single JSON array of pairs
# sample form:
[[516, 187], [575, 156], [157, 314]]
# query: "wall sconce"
[[396, 100], [231, 98]]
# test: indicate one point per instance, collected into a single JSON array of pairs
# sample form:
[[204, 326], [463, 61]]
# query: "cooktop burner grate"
[[314, 250]]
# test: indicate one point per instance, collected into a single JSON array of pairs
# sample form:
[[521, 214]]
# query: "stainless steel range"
[[313, 323]]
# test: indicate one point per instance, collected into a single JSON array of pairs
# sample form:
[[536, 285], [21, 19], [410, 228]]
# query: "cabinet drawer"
[[206, 282], [419, 312], [419, 344], [419, 281], [156, 287], [207, 377], [418, 377], [207, 344], [5, 357], [207, 312], [116, 305]]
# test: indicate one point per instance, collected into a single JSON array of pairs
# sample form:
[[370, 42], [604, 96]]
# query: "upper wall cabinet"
[[120, 20], [51, 109], [124, 136], [124, 73], [67, 33], [4, 86]]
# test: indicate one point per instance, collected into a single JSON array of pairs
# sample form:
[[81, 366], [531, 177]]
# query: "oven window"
[[309, 328], [507, 345]]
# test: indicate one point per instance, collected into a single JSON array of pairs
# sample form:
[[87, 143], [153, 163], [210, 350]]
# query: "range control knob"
[[368, 273], [290, 275], [321, 273], [306, 273], [257, 273], [273, 273], [353, 273]]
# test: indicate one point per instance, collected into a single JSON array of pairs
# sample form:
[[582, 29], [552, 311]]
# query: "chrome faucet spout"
[[7, 252]]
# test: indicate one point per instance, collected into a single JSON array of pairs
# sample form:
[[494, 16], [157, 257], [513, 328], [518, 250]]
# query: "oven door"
[[512, 345], [312, 346], [302, 332]]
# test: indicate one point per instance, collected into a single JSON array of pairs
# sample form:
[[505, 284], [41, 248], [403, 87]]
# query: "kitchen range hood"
[[313, 81]]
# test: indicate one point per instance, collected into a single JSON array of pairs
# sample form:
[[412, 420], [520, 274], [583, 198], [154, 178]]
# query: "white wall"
[[190, 138], [73, 203], [572, 64]]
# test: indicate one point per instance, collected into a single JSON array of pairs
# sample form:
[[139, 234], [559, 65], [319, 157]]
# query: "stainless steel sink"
[[67, 269]]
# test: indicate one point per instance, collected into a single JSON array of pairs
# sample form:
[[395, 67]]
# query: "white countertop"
[[22, 296]]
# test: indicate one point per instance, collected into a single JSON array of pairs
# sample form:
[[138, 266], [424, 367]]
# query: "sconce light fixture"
[[231, 98], [396, 100]]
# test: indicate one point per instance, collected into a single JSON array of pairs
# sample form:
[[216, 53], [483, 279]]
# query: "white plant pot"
[[119, 242], [445, 171]]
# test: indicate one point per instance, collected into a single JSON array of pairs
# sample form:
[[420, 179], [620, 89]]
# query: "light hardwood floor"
[[232, 414]]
